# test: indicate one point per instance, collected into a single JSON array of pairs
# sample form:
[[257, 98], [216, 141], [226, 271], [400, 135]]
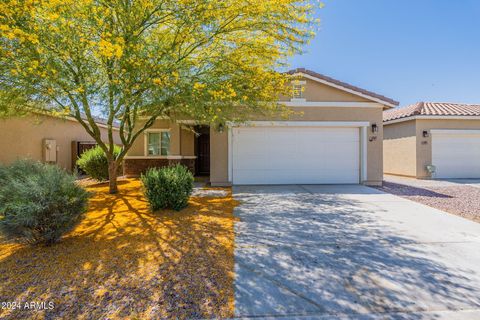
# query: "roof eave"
[[430, 117]]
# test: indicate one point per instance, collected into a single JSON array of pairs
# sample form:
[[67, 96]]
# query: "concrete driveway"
[[352, 252]]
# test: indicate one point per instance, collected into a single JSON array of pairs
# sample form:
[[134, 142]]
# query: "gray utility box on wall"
[[50, 150]]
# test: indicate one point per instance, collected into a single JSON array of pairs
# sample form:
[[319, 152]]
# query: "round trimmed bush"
[[94, 162], [39, 202], [168, 187]]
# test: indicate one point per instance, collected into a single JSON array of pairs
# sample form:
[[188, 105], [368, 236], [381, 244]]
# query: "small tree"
[[134, 61]]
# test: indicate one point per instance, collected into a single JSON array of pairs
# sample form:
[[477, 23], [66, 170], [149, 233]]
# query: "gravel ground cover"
[[124, 262], [462, 200]]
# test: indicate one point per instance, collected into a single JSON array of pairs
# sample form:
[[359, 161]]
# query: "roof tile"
[[432, 109]]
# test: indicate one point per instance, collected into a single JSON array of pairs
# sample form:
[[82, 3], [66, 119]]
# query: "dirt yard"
[[125, 262]]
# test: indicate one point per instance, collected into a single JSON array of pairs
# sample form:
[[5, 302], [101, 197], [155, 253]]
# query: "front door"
[[203, 154]]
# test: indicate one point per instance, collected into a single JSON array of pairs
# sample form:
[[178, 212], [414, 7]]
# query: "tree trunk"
[[112, 176]]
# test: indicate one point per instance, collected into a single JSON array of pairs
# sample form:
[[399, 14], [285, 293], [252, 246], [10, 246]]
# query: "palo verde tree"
[[133, 61]]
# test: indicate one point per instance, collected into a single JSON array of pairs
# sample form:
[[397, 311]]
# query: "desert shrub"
[[94, 162], [168, 187], [39, 202]]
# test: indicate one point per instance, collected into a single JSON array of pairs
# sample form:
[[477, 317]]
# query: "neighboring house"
[[45, 138], [335, 138], [443, 135]]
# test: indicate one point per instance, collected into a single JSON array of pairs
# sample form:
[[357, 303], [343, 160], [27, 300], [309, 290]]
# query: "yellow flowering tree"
[[208, 60]]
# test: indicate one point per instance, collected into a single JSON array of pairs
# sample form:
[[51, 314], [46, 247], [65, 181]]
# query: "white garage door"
[[295, 155], [456, 153]]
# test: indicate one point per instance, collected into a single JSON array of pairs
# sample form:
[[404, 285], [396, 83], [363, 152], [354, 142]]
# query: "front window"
[[298, 87], [158, 143], [298, 91]]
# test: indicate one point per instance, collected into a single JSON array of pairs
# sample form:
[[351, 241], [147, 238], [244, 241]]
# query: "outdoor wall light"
[[425, 134], [374, 128], [220, 127]]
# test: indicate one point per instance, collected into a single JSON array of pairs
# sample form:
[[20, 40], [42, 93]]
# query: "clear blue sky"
[[408, 50]]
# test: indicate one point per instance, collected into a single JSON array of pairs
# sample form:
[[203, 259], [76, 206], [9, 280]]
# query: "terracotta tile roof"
[[344, 84], [432, 109]]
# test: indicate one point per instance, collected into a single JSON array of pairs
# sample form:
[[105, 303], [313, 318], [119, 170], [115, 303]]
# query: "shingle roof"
[[432, 109], [344, 84]]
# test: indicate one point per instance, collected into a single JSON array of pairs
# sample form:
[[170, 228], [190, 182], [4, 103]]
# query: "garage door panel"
[[456, 155], [310, 155]]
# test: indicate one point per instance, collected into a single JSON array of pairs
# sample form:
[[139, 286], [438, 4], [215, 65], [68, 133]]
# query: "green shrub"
[[94, 162], [168, 187], [39, 202]]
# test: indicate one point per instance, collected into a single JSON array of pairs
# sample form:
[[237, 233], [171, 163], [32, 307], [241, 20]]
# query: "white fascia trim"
[[189, 122], [161, 157], [454, 131], [354, 124], [156, 130], [432, 118], [360, 94], [333, 104]]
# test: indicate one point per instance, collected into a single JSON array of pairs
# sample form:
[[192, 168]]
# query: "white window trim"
[[362, 125], [145, 141], [301, 83], [298, 100]]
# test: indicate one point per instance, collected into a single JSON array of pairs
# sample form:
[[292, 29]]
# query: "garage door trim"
[[362, 125], [454, 131]]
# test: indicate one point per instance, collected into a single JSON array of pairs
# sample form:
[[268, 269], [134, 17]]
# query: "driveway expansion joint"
[[295, 251], [283, 286]]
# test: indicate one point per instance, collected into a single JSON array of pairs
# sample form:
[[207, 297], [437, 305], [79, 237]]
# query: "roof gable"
[[365, 94]]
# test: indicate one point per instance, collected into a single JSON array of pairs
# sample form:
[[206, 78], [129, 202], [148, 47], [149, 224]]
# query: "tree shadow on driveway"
[[304, 252]]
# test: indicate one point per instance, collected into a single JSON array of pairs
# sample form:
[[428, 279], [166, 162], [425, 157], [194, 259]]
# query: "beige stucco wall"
[[424, 151], [315, 91], [399, 149], [23, 138], [407, 152], [219, 141], [181, 140], [187, 142], [219, 157]]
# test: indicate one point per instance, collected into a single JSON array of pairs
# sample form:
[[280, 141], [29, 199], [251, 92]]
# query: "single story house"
[[336, 138], [46, 138], [432, 140]]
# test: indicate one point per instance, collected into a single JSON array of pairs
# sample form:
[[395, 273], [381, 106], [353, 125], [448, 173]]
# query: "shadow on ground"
[[311, 251], [405, 190], [124, 262]]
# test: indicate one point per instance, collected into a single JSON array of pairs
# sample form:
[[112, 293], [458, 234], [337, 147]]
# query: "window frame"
[[302, 85], [159, 131]]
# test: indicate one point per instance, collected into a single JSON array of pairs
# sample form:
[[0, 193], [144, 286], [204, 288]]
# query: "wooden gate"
[[79, 147]]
